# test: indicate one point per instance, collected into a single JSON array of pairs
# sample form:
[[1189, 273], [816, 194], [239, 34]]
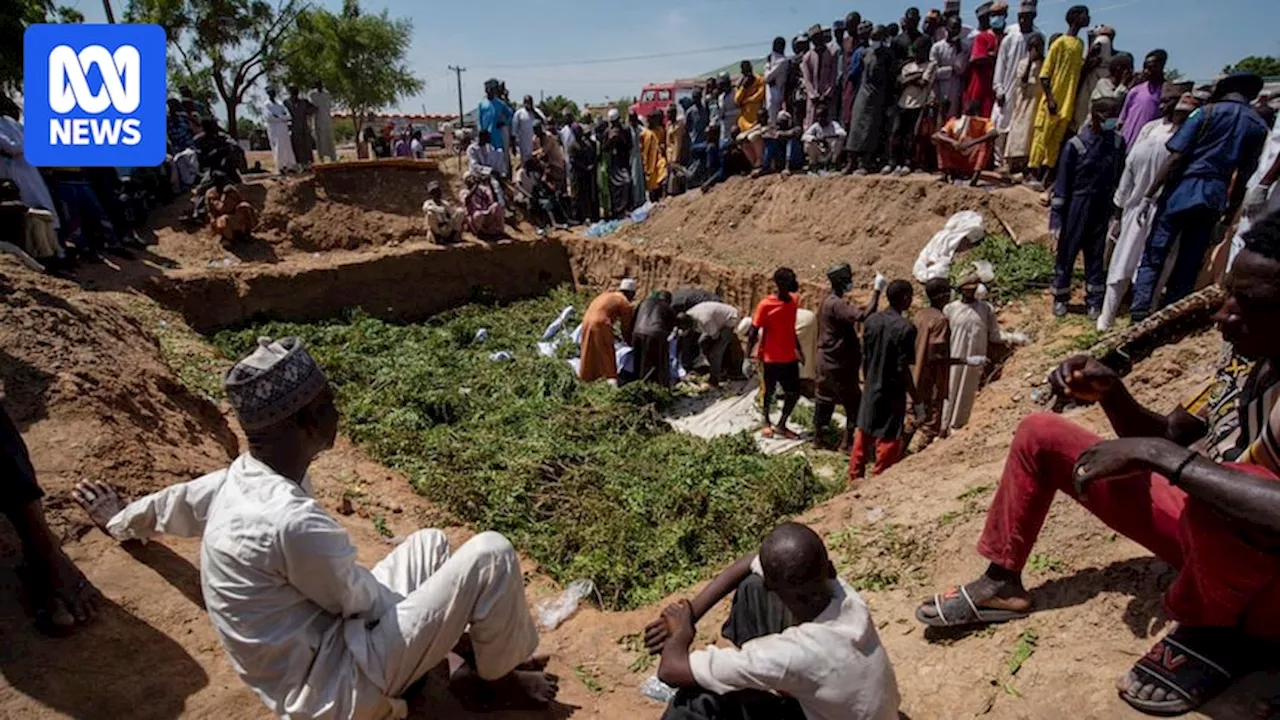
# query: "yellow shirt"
[[749, 100], [655, 162]]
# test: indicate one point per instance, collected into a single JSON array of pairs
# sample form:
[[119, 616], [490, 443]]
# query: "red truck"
[[657, 96]]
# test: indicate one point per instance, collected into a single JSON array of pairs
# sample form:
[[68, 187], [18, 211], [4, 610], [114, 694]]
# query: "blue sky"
[[514, 39]]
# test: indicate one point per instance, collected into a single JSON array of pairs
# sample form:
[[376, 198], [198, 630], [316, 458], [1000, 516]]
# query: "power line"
[[629, 58]]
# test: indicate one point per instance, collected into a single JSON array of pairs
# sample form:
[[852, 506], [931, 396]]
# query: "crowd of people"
[[915, 382], [1136, 167], [314, 633], [65, 216]]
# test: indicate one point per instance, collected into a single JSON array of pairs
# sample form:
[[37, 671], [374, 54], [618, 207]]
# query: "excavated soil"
[[812, 223]]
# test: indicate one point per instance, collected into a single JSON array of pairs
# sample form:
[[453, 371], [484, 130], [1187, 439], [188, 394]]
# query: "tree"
[[15, 16], [226, 44], [1264, 66], [245, 127], [555, 107], [359, 58], [1172, 75]]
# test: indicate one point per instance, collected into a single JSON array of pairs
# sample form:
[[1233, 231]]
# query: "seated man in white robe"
[[310, 631]]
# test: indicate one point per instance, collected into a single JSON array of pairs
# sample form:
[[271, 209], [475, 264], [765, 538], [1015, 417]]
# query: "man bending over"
[[313, 633], [805, 645], [1216, 518]]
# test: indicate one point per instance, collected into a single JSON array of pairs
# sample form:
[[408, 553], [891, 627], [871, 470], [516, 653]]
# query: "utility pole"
[[458, 71], [111, 16]]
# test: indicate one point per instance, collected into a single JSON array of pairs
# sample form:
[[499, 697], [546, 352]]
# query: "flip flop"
[[956, 609], [1196, 665]]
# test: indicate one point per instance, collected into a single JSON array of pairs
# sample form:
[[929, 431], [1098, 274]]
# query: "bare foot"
[[99, 500], [61, 596], [519, 689]]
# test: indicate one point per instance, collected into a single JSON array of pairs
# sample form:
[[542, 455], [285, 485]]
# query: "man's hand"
[[99, 500], [1084, 379], [1051, 104], [656, 635], [880, 282], [1120, 459], [1146, 211], [678, 618]]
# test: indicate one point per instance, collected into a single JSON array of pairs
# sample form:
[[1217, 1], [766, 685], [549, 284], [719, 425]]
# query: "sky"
[[538, 48]]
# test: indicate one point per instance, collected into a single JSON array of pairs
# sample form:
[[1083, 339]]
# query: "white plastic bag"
[[553, 611], [655, 689]]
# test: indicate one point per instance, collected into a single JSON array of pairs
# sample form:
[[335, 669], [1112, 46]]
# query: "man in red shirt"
[[774, 327]]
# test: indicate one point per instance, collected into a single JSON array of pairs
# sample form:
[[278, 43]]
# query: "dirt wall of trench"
[[404, 285]]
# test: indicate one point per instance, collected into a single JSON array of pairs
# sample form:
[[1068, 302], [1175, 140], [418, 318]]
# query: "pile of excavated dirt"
[[87, 385], [811, 223]]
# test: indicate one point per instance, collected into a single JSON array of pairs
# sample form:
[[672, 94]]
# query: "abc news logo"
[[95, 95], [69, 89]]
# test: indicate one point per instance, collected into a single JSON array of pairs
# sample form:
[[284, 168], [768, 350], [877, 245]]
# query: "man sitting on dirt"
[[484, 210], [313, 633], [444, 220], [230, 217], [805, 644], [1215, 518]]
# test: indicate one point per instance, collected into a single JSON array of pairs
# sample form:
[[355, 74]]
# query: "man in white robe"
[[974, 330], [278, 133], [775, 78], [1260, 199], [323, 122], [32, 189], [1013, 48], [310, 631], [522, 127], [1143, 164]]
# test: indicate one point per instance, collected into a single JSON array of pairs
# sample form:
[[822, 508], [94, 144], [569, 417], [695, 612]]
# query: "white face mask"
[[981, 293]]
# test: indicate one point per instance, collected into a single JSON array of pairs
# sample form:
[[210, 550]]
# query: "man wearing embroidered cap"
[[309, 630]]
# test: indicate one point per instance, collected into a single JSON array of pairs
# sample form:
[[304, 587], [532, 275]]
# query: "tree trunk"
[[232, 130]]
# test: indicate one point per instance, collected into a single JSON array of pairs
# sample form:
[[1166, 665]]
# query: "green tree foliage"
[[1264, 66], [245, 126], [15, 16], [1173, 75], [224, 44], [360, 58], [623, 105], [554, 107]]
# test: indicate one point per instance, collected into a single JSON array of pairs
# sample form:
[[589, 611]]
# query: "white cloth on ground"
[[310, 631], [32, 189], [277, 118], [834, 665], [935, 258], [1269, 153], [1146, 158], [973, 329]]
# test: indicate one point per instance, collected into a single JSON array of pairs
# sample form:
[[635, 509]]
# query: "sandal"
[[1196, 665], [955, 608]]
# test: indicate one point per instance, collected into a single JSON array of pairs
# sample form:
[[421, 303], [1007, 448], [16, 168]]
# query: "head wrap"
[[614, 115], [628, 285], [815, 30], [970, 280], [273, 383]]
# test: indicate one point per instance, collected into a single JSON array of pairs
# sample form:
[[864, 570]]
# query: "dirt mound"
[[811, 223], [87, 385], [346, 209]]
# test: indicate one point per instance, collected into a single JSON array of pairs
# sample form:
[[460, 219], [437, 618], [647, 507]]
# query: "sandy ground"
[[88, 377]]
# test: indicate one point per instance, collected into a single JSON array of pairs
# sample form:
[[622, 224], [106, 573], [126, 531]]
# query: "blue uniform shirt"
[[1217, 140], [491, 116]]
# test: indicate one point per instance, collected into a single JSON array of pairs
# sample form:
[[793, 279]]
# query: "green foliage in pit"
[[586, 479], [1019, 269]]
